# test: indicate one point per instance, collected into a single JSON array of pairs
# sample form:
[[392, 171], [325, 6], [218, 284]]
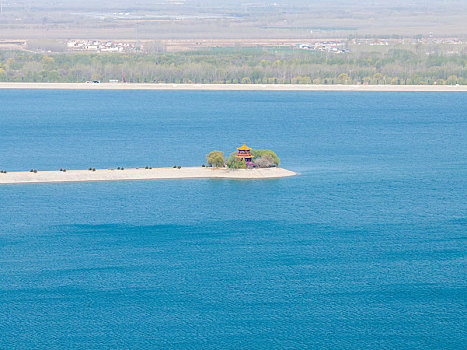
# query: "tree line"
[[238, 66]]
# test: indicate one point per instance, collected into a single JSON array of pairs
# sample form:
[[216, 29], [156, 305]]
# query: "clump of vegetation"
[[233, 162], [265, 161], [265, 158], [215, 158], [179, 167], [262, 158]]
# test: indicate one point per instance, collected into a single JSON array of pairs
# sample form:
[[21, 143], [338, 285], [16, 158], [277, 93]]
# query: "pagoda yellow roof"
[[244, 148]]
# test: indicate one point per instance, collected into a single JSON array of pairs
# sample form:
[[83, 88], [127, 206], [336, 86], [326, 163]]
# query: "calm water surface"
[[365, 249]]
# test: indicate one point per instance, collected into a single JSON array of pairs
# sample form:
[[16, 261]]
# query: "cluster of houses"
[[101, 46], [325, 46], [370, 42], [449, 41], [425, 40]]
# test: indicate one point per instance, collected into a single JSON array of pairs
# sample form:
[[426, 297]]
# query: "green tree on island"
[[233, 162], [215, 158]]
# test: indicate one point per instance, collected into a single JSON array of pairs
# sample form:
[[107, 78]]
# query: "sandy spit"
[[234, 87], [141, 174]]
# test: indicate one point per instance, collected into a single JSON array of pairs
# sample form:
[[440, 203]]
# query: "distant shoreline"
[[234, 87], [12, 178]]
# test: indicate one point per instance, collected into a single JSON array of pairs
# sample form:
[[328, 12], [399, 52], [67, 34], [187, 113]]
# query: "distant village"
[[102, 46], [325, 46], [341, 46], [337, 46]]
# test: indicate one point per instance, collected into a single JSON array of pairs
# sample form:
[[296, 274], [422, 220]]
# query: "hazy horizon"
[[229, 19]]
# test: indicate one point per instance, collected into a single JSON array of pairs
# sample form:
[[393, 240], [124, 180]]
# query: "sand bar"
[[234, 87], [141, 174]]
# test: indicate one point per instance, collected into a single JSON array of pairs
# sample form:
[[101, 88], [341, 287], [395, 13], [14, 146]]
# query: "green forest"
[[238, 66]]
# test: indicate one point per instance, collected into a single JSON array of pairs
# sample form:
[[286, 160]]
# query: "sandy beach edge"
[[141, 174], [234, 87]]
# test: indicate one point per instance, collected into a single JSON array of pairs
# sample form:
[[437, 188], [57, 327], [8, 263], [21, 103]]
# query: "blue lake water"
[[364, 250]]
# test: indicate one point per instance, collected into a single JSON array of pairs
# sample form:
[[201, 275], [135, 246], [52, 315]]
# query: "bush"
[[174, 166], [259, 153], [236, 163], [266, 161], [179, 167], [204, 166], [215, 158]]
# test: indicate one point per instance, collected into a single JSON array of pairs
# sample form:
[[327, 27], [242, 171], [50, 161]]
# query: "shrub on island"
[[215, 158], [233, 162], [260, 153], [266, 161]]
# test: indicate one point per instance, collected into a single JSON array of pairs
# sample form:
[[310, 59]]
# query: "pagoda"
[[244, 152]]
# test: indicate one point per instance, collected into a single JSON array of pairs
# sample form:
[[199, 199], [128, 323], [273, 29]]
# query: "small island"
[[246, 163], [244, 158]]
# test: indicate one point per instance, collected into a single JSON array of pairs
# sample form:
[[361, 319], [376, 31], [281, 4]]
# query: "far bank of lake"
[[234, 87]]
